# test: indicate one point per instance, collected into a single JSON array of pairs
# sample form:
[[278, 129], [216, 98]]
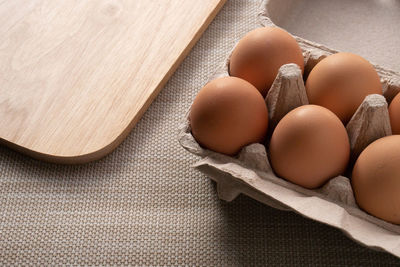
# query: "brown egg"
[[260, 53], [394, 114], [309, 146], [376, 179], [227, 114], [340, 83]]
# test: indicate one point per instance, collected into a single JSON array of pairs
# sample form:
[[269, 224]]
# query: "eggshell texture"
[[309, 146], [376, 179], [260, 53], [340, 82], [227, 114], [394, 114]]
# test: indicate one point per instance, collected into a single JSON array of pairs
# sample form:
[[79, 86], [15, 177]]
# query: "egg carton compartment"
[[250, 172]]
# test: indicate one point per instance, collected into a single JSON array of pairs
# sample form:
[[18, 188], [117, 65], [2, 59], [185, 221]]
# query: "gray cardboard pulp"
[[250, 173]]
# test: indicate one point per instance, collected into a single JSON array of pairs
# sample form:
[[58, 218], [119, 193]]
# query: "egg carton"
[[250, 172]]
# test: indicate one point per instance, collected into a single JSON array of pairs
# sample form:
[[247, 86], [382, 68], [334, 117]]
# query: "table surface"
[[144, 204]]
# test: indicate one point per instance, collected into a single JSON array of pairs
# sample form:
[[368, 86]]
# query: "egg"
[[259, 55], [340, 82], [376, 179], [227, 114], [394, 114], [309, 146]]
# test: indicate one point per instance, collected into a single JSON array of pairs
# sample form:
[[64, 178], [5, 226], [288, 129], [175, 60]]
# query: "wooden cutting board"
[[76, 76]]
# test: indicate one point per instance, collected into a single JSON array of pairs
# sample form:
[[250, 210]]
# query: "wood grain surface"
[[76, 76]]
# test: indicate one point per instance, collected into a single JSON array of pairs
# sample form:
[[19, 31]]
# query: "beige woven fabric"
[[144, 205]]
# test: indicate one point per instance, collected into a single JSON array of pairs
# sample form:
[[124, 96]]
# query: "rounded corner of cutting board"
[[73, 158]]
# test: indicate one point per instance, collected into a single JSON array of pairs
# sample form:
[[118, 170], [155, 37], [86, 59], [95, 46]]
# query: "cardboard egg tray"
[[250, 172]]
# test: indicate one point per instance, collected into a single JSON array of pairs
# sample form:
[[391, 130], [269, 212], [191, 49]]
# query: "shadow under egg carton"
[[250, 172]]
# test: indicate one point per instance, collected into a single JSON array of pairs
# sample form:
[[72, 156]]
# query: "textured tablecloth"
[[144, 204]]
